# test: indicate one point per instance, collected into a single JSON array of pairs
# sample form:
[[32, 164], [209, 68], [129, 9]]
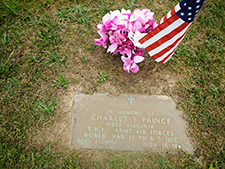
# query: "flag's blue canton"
[[189, 9]]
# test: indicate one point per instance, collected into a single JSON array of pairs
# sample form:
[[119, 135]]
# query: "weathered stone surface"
[[127, 122]]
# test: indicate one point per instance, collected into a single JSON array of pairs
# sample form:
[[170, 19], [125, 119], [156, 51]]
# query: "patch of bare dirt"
[[162, 82]]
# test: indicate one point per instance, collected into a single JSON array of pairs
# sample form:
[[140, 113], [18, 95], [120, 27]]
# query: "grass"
[[60, 82], [102, 77], [47, 48]]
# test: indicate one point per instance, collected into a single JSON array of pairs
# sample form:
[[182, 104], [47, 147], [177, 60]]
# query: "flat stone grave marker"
[[128, 122]]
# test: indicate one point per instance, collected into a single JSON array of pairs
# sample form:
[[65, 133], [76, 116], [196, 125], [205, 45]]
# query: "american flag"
[[162, 42]]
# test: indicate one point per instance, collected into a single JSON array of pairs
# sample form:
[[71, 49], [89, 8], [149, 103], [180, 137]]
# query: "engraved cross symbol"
[[130, 99]]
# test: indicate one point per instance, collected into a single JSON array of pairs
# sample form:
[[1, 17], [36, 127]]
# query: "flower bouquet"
[[117, 30]]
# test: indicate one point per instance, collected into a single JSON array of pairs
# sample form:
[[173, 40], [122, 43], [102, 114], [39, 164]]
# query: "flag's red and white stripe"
[[169, 14], [162, 42]]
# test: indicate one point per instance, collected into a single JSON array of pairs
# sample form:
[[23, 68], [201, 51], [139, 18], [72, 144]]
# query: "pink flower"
[[102, 41], [115, 39], [112, 47], [120, 29], [125, 50], [130, 65]]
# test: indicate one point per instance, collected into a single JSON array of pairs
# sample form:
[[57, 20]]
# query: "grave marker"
[[127, 122]]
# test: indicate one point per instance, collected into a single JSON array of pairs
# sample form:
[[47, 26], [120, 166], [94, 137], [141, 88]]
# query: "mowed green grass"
[[34, 66]]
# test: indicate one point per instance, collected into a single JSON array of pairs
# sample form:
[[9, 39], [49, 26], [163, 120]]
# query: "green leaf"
[[211, 166]]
